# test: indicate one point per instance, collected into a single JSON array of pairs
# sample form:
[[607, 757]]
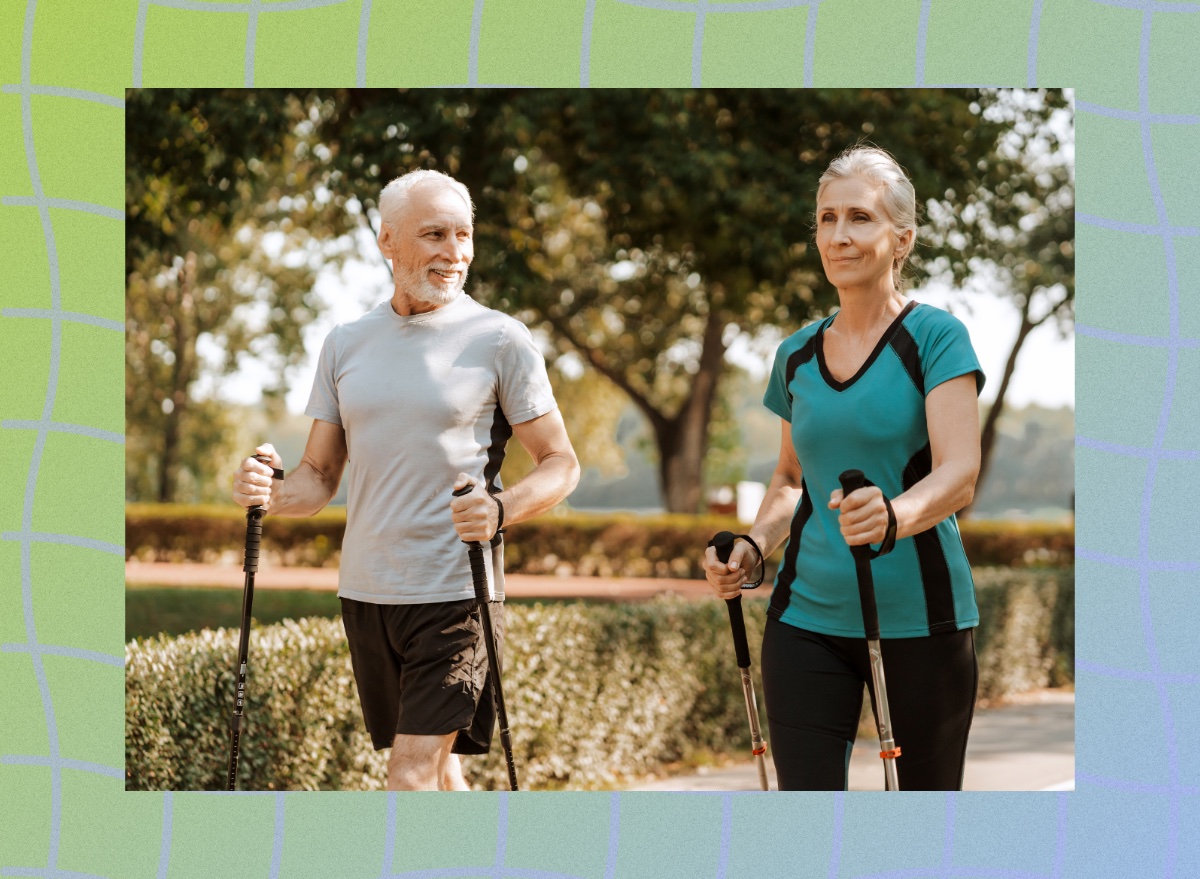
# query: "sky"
[[1045, 372]]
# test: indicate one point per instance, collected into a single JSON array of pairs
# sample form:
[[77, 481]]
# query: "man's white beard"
[[420, 288]]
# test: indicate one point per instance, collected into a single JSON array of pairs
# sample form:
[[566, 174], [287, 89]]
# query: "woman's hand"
[[727, 578], [863, 516]]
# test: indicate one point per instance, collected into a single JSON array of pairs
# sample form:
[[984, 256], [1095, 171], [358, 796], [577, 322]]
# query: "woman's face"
[[855, 236]]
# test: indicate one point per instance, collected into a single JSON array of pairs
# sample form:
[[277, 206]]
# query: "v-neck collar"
[[879, 346]]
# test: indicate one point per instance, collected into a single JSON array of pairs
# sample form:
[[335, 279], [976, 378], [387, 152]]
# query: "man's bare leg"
[[416, 761], [452, 774]]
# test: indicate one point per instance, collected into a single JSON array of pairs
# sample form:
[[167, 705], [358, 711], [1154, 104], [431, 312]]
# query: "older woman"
[[887, 386]]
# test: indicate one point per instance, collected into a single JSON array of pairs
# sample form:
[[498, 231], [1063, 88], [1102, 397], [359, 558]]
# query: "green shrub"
[[609, 545], [1026, 636], [595, 693], [302, 731]]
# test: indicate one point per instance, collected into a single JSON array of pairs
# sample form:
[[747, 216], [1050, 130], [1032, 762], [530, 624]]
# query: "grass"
[[172, 610]]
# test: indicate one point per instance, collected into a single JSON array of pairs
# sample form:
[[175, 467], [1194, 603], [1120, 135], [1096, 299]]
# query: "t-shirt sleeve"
[[323, 401], [777, 397], [949, 354], [524, 387]]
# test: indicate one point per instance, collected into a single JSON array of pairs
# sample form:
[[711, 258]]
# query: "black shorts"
[[422, 670], [813, 688]]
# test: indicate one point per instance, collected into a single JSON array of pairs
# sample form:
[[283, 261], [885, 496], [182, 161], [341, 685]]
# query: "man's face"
[[432, 244]]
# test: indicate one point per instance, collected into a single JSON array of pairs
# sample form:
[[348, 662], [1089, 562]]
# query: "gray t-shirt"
[[422, 398]]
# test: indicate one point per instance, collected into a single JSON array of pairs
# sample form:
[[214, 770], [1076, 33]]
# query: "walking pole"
[[479, 578], [253, 537], [888, 751], [723, 544]]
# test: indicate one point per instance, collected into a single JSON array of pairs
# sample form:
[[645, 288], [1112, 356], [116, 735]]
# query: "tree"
[[1021, 220], [646, 229], [641, 231], [227, 226]]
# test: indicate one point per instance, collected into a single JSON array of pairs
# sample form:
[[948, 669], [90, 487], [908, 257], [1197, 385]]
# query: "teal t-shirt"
[[873, 422]]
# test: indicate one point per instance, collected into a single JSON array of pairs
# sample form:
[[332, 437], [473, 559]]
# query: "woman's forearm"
[[952, 413], [774, 517], [939, 495]]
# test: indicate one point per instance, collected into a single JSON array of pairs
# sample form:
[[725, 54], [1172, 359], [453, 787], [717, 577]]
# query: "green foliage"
[[643, 230], [611, 545], [227, 227], [1026, 636], [304, 728], [595, 693]]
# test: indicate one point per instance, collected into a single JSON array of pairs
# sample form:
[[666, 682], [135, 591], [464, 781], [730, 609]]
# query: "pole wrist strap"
[[496, 538]]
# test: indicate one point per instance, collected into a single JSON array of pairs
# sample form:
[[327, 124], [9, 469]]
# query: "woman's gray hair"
[[899, 199], [394, 198]]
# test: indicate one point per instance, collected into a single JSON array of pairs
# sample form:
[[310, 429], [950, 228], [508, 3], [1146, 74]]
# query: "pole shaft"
[[253, 538], [852, 480], [479, 581], [723, 543]]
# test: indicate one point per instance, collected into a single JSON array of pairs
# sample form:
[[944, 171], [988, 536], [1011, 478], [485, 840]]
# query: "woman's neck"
[[866, 311]]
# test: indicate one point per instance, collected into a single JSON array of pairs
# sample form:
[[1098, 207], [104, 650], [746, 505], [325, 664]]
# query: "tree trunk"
[[683, 440], [987, 436]]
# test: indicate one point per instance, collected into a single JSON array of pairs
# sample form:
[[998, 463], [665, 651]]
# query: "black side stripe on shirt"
[[798, 359], [935, 573], [787, 574], [500, 434], [905, 347]]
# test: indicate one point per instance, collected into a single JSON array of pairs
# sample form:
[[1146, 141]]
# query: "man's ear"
[[385, 239]]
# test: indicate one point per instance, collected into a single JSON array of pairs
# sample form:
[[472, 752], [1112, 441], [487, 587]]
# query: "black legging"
[[813, 688]]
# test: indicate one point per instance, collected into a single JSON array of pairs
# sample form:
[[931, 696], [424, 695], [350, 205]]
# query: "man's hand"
[[252, 480], [476, 514]]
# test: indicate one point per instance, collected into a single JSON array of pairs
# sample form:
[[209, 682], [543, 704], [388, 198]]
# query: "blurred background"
[[659, 244]]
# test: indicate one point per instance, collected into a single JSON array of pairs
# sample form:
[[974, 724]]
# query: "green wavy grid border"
[[63, 67]]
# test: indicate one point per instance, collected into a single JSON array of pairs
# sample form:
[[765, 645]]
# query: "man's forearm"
[[545, 486], [305, 491]]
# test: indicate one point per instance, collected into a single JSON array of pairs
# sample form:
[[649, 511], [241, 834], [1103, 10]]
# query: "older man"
[[420, 395]]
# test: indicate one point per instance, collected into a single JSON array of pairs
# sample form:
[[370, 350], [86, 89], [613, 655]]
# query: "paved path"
[[1027, 744], [516, 585]]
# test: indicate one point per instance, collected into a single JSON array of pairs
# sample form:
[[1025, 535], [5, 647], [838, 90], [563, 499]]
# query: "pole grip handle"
[[475, 556], [852, 480], [254, 524], [253, 539], [723, 544]]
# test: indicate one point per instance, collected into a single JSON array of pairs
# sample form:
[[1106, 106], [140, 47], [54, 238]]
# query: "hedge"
[[620, 545], [596, 693]]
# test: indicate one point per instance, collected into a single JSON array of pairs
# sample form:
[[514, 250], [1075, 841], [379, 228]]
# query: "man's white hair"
[[394, 199]]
